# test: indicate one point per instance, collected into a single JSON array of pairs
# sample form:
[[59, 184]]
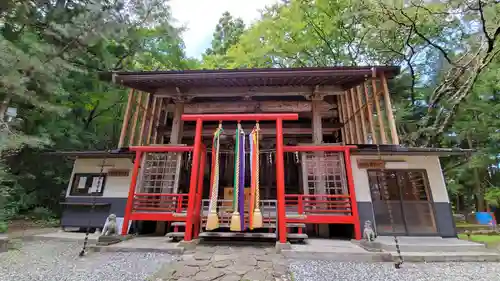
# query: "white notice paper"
[[81, 182]]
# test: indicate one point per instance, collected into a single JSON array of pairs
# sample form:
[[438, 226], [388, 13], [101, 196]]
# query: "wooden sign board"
[[371, 164], [228, 195]]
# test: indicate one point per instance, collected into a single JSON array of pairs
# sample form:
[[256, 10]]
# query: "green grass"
[[466, 224], [488, 239]]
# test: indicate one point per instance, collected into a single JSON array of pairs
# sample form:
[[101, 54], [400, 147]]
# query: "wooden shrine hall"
[[276, 153]]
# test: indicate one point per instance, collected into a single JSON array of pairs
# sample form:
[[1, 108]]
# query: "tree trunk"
[[478, 192]]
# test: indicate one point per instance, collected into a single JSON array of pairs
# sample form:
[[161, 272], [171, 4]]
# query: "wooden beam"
[[355, 116], [248, 91], [252, 106], [388, 109], [126, 118], [157, 120], [264, 132], [383, 136], [152, 122], [341, 118], [369, 101], [344, 120], [349, 121], [362, 114], [134, 121], [144, 117]]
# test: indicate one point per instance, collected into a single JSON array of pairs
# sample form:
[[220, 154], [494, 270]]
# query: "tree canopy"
[[51, 51]]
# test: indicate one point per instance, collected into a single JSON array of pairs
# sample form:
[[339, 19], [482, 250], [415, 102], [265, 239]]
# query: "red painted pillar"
[[280, 181], [352, 194], [131, 192], [199, 193], [195, 166]]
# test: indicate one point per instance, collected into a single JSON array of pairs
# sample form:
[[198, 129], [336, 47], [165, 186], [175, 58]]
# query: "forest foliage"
[[448, 94]]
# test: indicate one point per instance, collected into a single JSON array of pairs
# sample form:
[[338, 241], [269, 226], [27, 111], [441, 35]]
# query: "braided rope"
[[213, 220], [235, 219], [257, 219]]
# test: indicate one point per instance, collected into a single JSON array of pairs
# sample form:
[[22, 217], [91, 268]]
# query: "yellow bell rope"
[[213, 218], [235, 219], [257, 215]]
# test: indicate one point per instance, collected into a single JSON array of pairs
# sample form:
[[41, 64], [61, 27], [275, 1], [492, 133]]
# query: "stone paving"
[[226, 263]]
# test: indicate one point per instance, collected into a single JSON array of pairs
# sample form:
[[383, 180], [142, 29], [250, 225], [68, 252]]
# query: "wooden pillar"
[[362, 114], [340, 110], [369, 104], [132, 132], [146, 118], [388, 109], [154, 117], [177, 123], [355, 114], [381, 128], [349, 117], [318, 139], [126, 118], [345, 119]]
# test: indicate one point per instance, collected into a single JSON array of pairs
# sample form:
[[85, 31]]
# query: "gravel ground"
[[346, 271], [53, 261]]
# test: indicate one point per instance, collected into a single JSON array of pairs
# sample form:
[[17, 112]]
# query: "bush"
[[42, 213], [3, 226]]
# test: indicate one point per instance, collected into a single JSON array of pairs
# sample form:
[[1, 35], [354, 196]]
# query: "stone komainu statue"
[[368, 232], [111, 227]]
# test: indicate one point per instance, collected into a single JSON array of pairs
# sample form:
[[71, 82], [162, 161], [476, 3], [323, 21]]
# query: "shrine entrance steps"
[[413, 249]]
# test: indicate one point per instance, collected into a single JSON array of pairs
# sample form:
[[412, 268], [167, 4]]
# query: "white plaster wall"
[[429, 163], [116, 187]]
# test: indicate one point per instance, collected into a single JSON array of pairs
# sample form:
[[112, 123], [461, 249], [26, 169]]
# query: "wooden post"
[[362, 114], [349, 117], [388, 109], [340, 108], [369, 104], [157, 120], [345, 120], [126, 118], [145, 116], [132, 132], [354, 115], [152, 122], [383, 136], [318, 139]]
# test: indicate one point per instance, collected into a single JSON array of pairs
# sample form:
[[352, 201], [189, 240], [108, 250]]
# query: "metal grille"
[[324, 173], [160, 172], [225, 212]]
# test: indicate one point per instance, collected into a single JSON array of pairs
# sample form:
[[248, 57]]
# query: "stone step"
[[227, 225], [301, 225], [337, 256], [296, 236], [437, 247], [175, 234], [238, 235], [448, 256]]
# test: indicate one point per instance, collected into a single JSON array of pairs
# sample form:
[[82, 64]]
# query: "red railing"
[[160, 202], [318, 204], [325, 208], [154, 206]]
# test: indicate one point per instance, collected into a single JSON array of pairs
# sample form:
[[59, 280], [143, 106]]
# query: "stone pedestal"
[[283, 246], [109, 240]]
